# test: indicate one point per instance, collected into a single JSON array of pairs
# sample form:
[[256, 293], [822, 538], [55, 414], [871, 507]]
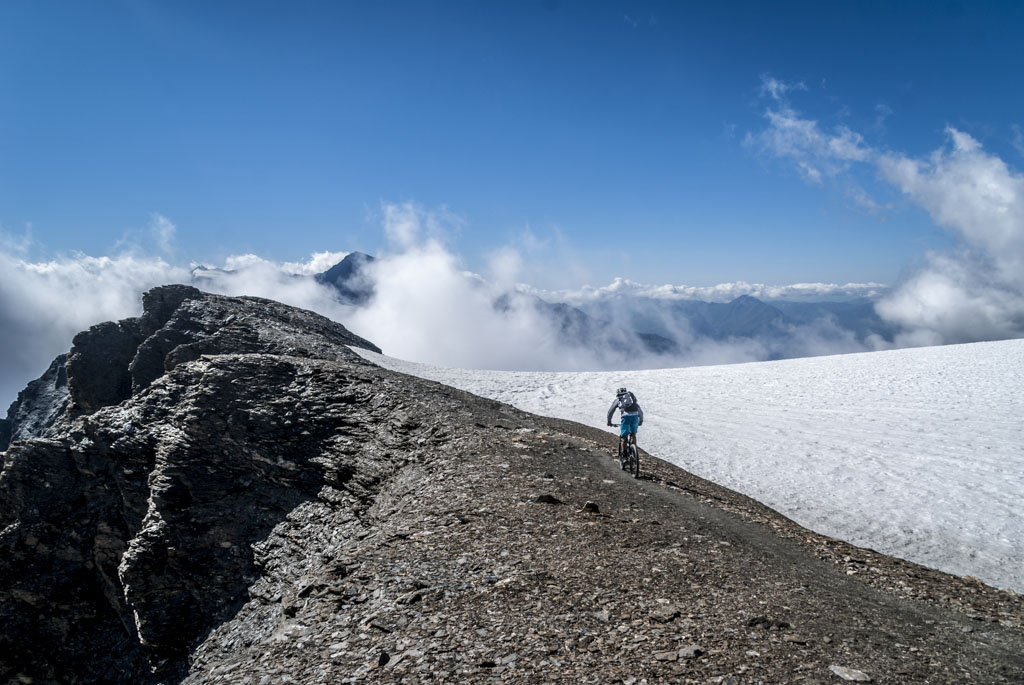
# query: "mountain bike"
[[629, 458]]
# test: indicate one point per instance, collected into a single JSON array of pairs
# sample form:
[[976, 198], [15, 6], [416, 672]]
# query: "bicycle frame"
[[624, 459]]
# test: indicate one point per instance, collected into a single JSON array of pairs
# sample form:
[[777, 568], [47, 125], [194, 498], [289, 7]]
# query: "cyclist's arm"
[[611, 409], [640, 411]]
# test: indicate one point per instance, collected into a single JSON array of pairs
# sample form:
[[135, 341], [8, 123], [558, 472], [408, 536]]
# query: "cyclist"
[[632, 416]]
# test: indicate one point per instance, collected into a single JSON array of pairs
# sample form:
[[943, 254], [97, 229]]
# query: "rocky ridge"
[[228, 494]]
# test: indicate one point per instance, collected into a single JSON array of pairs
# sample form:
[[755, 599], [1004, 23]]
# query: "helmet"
[[621, 391]]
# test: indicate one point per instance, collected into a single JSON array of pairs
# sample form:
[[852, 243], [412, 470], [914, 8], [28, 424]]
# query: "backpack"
[[627, 403]]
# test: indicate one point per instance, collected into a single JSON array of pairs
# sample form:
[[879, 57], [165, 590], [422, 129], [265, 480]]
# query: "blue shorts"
[[628, 425]]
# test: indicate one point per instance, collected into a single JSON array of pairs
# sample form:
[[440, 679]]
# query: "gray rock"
[[98, 365], [665, 614], [766, 623], [165, 550], [547, 499], [38, 408], [850, 674]]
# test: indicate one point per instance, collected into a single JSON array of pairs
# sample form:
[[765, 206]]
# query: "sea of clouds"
[[427, 307]]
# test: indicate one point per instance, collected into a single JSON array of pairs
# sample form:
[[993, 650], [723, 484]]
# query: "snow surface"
[[917, 453]]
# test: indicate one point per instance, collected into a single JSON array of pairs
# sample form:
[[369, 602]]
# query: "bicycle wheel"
[[634, 461]]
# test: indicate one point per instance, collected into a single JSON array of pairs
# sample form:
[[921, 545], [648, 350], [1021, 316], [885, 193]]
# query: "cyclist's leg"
[[627, 426], [634, 456]]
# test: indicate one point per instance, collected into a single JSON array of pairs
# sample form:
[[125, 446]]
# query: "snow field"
[[917, 453]]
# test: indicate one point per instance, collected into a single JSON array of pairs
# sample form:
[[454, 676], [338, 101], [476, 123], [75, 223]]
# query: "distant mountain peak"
[[351, 264], [349, 278], [748, 299]]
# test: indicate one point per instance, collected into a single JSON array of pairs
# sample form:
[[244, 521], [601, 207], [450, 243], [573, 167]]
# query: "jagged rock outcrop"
[[38, 407], [106, 528], [265, 506]]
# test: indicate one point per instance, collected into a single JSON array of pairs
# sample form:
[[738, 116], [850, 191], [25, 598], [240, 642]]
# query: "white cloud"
[[975, 292], [546, 260], [505, 266], [861, 198], [408, 226], [777, 89], [1018, 138], [44, 304], [971, 192], [951, 300], [723, 292], [162, 230], [848, 146], [241, 262], [289, 282], [427, 308], [882, 112], [13, 244], [401, 225], [816, 153], [318, 263]]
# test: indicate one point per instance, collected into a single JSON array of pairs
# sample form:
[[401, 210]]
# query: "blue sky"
[[628, 137]]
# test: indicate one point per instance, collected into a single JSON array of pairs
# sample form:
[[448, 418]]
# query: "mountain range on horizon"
[[654, 327]]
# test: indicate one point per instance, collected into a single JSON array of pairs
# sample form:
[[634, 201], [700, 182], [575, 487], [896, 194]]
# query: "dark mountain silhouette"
[[779, 325], [858, 316], [350, 278], [744, 317], [576, 328]]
